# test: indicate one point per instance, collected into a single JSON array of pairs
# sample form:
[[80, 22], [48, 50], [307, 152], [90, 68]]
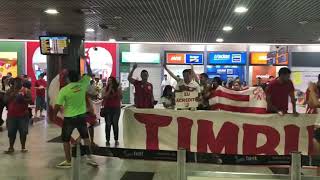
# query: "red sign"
[[174, 58], [34, 56], [102, 58], [264, 72], [218, 132]]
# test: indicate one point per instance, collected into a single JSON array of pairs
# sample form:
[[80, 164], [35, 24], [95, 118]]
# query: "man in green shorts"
[[72, 98]]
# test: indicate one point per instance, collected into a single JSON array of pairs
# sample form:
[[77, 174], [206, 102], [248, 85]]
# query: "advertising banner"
[[227, 58], [102, 57], [269, 58], [218, 132], [260, 58], [264, 72], [226, 71], [184, 58], [187, 99], [8, 63]]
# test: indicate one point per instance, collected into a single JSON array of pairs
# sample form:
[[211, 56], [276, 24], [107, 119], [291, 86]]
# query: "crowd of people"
[[84, 100], [15, 96]]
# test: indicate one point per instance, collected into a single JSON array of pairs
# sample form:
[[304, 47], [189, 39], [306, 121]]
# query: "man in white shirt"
[[189, 81]]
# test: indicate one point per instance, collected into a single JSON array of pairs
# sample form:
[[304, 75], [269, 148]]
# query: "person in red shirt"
[[143, 97], [278, 92], [112, 109], [18, 98], [40, 86]]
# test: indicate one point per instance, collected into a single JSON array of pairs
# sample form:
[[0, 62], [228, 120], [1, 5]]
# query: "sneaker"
[[64, 165], [107, 143], [91, 162]]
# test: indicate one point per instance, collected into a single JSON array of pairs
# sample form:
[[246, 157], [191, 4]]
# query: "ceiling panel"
[[269, 21]]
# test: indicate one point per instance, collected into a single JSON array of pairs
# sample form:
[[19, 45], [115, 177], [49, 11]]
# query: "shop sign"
[[184, 58], [174, 58], [138, 57], [271, 58], [227, 58], [194, 58]]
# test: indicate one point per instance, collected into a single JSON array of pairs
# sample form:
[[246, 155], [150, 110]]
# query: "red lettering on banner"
[[291, 139], [227, 137], [184, 132], [310, 139], [152, 123], [250, 138]]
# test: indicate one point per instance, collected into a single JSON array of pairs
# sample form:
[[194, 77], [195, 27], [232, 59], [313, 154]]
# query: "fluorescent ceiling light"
[[112, 40], [227, 28], [219, 40], [51, 11], [89, 30], [240, 9]]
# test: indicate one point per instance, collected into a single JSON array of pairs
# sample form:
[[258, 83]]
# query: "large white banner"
[[218, 131]]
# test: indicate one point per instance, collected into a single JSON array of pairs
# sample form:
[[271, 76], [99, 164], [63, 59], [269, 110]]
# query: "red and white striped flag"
[[251, 100]]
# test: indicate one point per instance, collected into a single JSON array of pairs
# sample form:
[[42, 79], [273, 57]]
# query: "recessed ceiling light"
[[89, 30], [51, 11], [303, 22], [240, 9], [227, 28], [219, 40], [112, 40], [117, 17]]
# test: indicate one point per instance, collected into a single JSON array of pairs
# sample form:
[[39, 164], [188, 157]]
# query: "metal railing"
[[181, 160]]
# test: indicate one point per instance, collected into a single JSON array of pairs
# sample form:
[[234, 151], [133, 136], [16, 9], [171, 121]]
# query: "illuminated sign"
[[184, 58], [227, 58], [137, 57]]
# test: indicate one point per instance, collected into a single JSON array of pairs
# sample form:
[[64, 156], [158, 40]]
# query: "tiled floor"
[[39, 163]]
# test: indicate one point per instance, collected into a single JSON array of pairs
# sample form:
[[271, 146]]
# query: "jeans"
[[112, 119]]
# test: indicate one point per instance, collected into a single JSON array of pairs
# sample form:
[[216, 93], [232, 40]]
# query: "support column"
[[56, 63]]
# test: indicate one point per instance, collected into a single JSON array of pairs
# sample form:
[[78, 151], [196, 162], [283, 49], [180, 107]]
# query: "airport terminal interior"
[[159, 89]]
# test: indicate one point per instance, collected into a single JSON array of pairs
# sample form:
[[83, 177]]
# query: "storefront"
[[266, 64], [179, 61], [227, 65]]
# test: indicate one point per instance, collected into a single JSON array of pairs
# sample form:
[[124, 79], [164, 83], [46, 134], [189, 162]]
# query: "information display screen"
[[50, 45]]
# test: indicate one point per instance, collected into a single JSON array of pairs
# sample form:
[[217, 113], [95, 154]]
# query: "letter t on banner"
[[152, 123]]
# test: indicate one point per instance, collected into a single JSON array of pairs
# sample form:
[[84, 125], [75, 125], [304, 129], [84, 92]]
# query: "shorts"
[[71, 123], [41, 103], [17, 124]]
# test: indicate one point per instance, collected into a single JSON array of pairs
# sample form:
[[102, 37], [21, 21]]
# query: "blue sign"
[[194, 58], [226, 72], [227, 58]]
